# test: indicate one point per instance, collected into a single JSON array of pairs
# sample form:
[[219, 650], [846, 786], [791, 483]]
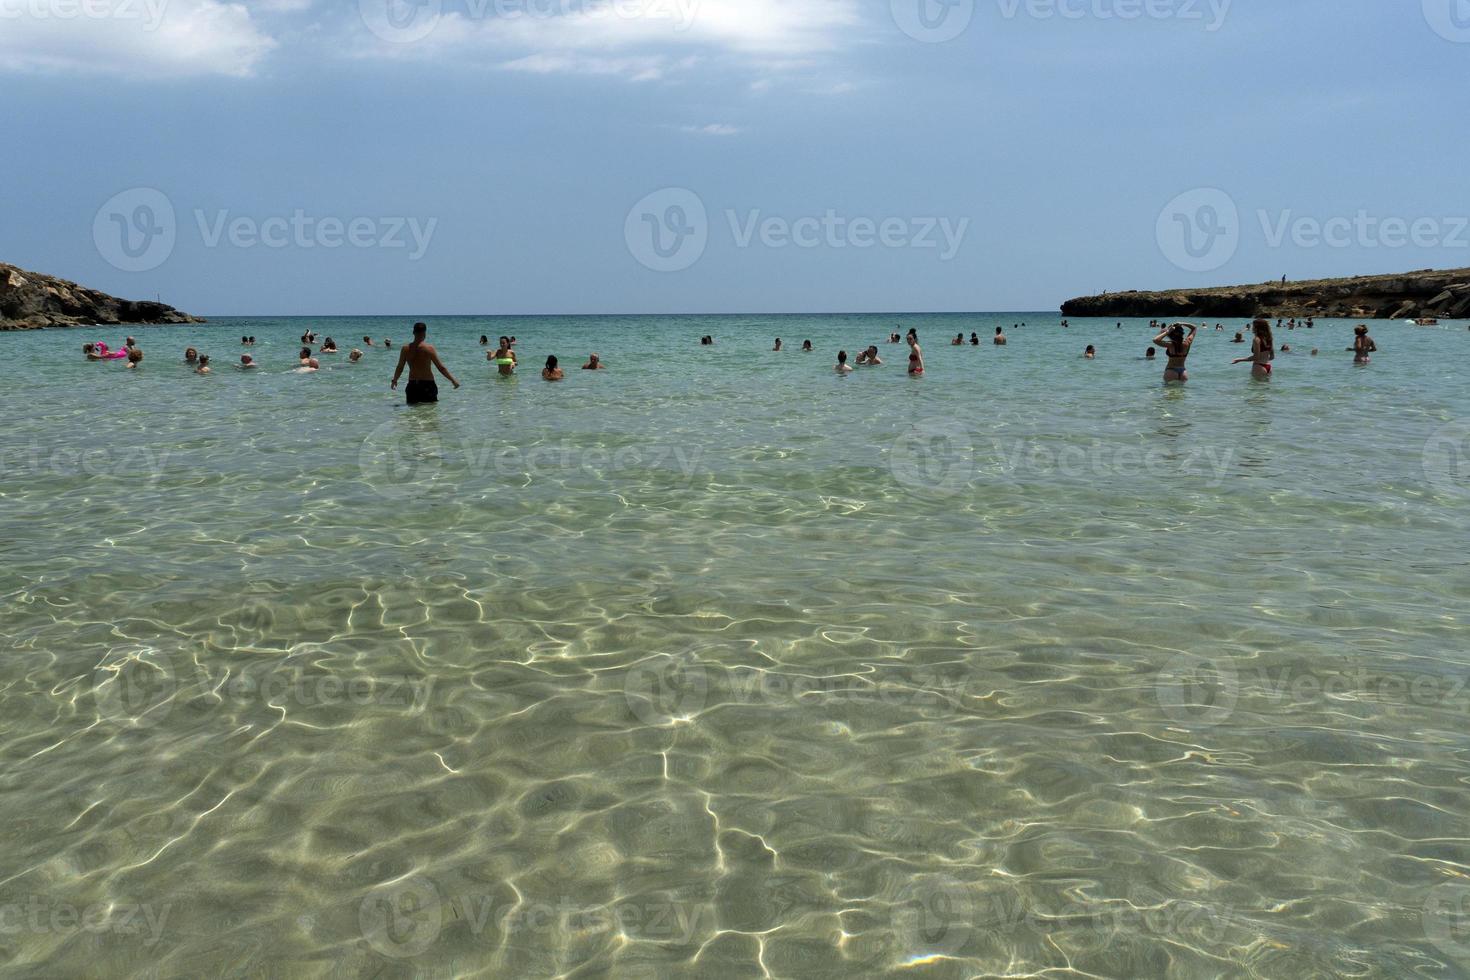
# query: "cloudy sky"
[[576, 156]]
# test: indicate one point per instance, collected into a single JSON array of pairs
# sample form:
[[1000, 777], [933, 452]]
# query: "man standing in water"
[[421, 358]]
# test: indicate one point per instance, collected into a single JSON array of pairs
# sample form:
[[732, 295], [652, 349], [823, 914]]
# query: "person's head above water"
[[305, 353], [420, 330], [551, 363], [842, 357], [1151, 353]]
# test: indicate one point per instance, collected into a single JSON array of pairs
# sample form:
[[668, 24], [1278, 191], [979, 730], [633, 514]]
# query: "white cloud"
[[637, 39], [713, 129], [142, 38]]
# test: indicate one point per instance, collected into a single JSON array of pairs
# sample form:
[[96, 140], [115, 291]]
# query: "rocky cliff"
[[31, 301], [1410, 294]]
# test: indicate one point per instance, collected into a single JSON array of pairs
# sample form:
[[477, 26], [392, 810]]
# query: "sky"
[[422, 157]]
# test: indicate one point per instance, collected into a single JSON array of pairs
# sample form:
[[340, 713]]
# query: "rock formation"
[[31, 301], [1408, 295]]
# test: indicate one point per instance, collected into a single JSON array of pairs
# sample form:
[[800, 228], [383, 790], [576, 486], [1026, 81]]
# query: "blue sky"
[[562, 156]]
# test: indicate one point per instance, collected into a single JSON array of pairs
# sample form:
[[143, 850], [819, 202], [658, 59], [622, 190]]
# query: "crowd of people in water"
[[421, 359]]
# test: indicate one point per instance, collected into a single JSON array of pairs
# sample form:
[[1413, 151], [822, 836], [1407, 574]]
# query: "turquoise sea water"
[[716, 664]]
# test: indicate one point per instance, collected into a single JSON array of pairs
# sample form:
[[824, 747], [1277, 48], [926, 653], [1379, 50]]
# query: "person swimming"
[[1263, 350], [484, 340], [247, 362], [869, 357], [1090, 353], [329, 346], [306, 361], [1000, 338], [778, 344], [974, 339], [806, 346], [367, 341], [594, 363], [1239, 339], [1177, 346], [134, 355], [1362, 345], [959, 340], [191, 355], [842, 366], [551, 372], [203, 367], [1150, 355], [354, 356]]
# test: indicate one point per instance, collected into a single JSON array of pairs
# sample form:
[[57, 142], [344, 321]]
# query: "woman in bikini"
[[1263, 351], [1177, 345], [1362, 345]]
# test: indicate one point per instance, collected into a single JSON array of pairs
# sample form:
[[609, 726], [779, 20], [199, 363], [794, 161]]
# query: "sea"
[[717, 663]]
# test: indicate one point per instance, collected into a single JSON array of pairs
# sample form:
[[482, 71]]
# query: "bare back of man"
[[421, 359]]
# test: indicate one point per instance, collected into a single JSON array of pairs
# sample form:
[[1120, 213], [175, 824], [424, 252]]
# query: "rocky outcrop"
[[1407, 295], [31, 301]]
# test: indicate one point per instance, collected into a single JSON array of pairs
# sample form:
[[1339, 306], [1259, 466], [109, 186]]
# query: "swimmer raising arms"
[[1177, 346]]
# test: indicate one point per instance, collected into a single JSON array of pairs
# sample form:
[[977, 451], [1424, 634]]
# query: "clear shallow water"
[[714, 664]]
